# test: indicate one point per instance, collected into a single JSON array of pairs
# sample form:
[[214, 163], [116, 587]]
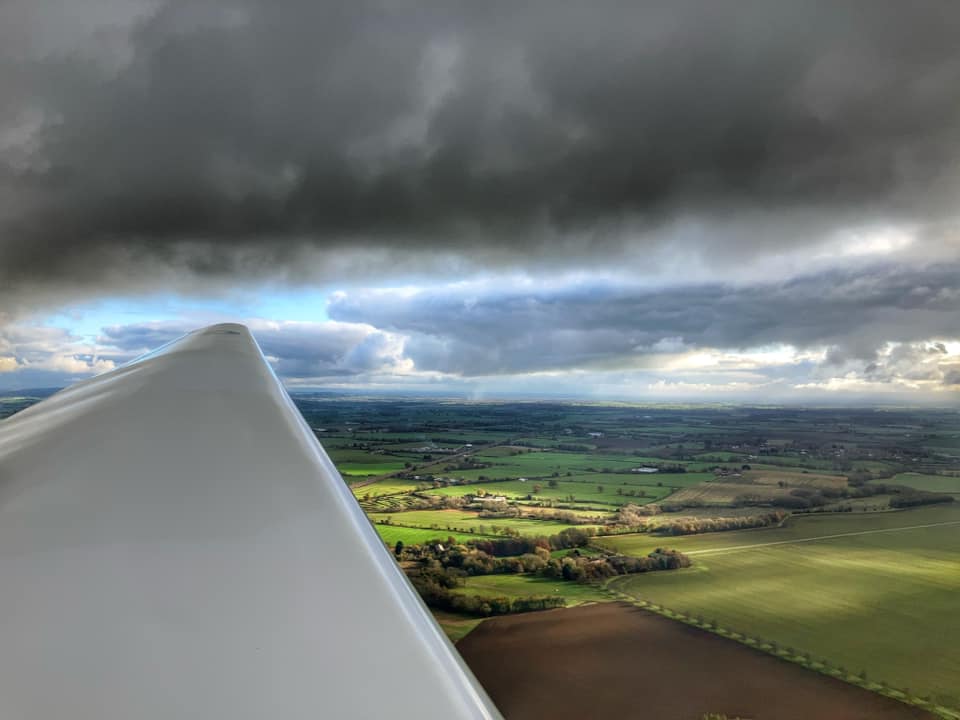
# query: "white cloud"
[[35, 355]]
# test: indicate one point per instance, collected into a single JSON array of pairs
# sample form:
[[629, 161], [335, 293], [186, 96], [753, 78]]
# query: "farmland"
[[390, 534], [387, 486], [352, 462], [520, 586], [464, 522], [840, 571], [874, 593], [933, 483], [543, 664], [583, 489]]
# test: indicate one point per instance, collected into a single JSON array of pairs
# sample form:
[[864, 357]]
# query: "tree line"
[[636, 519], [693, 526], [437, 595]]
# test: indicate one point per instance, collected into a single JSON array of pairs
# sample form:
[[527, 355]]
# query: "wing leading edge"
[[174, 543]]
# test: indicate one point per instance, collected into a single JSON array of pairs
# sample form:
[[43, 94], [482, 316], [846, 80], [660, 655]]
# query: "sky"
[[726, 201]]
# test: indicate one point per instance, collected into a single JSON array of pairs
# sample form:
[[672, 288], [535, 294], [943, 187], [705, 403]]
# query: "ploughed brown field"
[[615, 660]]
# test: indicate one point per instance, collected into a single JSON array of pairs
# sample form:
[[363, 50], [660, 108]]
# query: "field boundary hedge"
[[788, 654]]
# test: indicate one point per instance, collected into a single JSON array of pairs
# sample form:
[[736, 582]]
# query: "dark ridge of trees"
[[581, 569], [510, 546], [564, 516], [798, 499], [505, 547], [918, 497], [450, 565], [437, 596], [672, 506]]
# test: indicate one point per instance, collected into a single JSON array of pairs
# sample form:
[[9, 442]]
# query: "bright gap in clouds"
[[87, 320], [812, 339], [869, 242]]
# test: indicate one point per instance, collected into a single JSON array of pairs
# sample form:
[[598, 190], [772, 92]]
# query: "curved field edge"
[[869, 596]]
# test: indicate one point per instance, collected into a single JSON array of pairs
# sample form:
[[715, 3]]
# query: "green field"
[[417, 536], [933, 483], [587, 511], [388, 486], [580, 489], [513, 586], [539, 464], [351, 461], [884, 602], [462, 521], [665, 480]]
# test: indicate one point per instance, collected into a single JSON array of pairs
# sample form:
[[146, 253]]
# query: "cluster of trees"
[[505, 547], [435, 583], [666, 467], [807, 497], [798, 499], [565, 516], [673, 506], [447, 565], [692, 526], [838, 509], [858, 477], [466, 464], [919, 497], [437, 596], [580, 568], [498, 509], [631, 515]]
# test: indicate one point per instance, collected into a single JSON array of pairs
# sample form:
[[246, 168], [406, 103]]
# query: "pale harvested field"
[[794, 478]]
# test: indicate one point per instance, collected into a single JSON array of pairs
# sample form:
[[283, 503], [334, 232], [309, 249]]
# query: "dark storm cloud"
[[226, 138], [503, 330]]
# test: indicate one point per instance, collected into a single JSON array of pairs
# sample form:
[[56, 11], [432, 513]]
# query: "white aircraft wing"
[[174, 543]]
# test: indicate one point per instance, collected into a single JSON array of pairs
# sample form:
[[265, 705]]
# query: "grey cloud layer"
[[871, 330], [227, 137], [504, 331]]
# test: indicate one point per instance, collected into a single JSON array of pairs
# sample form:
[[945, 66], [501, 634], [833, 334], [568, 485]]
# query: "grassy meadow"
[[514, 586], [933, 483], [582, 490], [461, 521], [417, 536]]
